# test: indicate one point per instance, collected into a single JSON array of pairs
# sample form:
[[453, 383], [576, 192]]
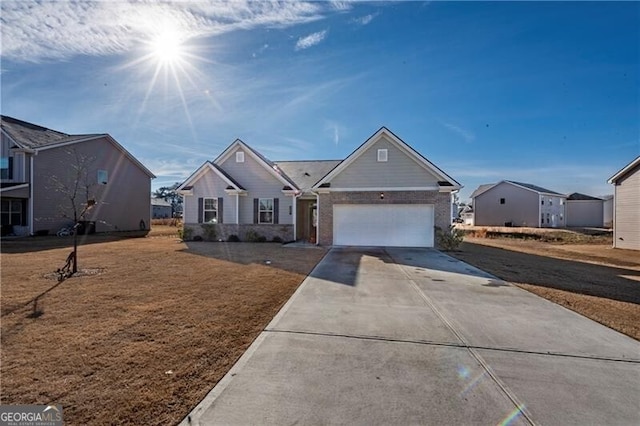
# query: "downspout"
[[238, 209], [30, 215], [317, 216]]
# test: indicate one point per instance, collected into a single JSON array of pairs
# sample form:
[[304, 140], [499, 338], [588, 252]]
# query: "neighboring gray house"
[[41, 167], [160, 209], [383, 194], [584, 210], [607, 207], [626, 213], [509, 203]]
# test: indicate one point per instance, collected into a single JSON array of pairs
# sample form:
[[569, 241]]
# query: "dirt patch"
[[594, 280], [143, 341]]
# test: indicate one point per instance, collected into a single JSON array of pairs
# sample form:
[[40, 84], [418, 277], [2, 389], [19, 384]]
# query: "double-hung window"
[[210, 210], [11, 212], [265, 210]]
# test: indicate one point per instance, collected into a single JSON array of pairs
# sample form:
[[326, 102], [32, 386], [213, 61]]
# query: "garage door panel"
[[394, 225]]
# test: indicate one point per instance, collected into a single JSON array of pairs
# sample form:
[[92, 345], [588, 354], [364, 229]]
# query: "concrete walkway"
[[413, 336]]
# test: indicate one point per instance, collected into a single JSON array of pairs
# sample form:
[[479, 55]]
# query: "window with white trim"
[[383, 155], [265, 210], [210, 210], [240, 157], [103, 177]]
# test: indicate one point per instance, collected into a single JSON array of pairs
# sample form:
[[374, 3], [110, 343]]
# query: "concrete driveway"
[[413, 336]]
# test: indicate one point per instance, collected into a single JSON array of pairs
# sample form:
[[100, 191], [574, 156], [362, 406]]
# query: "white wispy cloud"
[[366, 19], [53, 30], [310, 40], [466, 134], [333, 129]]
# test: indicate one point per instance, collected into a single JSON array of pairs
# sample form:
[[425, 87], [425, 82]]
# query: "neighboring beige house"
[[41, 170], [509, 203], [626, 213], [383, 194], [584, 211]]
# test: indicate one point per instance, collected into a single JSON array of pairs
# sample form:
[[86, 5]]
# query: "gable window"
[[103, 177], [210, 210], [265, 210], [383, 155], [239, 157], [502, 200], [6, 168]]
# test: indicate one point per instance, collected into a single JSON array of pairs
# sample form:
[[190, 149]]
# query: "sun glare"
[[167, 47]]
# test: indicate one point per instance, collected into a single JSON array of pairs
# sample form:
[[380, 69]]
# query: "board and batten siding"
[[121, 204], [520, 207], [626, 228], [210, 185], [400, 170], [259, 183]]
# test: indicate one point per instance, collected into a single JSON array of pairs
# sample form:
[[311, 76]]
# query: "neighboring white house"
[[626, 213], [584, 210], [509, 203]]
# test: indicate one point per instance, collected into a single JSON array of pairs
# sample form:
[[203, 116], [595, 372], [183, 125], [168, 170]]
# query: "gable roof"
[[482, 188], [576, 196], [444, 179], [306, 173], [535, 188], [37, 138], [160, 202], [261, 159], [31, 136], [624, 171], [208, 165]]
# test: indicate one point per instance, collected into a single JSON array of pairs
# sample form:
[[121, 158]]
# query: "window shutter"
[[10, 167], [220, 211], [200, 209], [24, 213], [255, 210], [275, 210]]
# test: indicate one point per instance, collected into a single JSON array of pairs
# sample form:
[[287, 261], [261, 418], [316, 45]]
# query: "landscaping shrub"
[[277, 239], [209, 232], [233, 238], [261, 239], [185, 234], [450, 239], [252, 236]]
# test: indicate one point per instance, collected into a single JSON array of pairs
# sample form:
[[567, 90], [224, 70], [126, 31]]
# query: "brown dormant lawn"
[[146, 331], [588, 277]]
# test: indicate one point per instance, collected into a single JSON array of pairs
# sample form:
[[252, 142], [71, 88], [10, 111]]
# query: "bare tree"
[[77, 192]]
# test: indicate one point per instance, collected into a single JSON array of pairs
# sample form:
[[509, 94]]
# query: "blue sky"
[[540, 92]]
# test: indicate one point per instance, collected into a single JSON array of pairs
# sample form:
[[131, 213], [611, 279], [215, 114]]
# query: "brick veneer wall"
[[440, 200]]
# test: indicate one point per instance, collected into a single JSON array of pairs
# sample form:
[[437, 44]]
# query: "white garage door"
[[393, 225]]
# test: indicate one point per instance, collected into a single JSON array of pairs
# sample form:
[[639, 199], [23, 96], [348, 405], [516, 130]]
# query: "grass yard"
[[146, 331], [582, 273]]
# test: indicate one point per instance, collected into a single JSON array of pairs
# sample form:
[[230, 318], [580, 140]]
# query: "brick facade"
[[440, 200]]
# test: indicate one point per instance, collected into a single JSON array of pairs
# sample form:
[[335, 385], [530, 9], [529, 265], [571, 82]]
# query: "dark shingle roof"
[[306, 173], [32, 136], [534, 187], [582, 197]]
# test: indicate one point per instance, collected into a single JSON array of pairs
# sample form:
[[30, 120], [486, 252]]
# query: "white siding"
[[259, 183], [210, 185], [627, 211], [400, 170], [553, 210]]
